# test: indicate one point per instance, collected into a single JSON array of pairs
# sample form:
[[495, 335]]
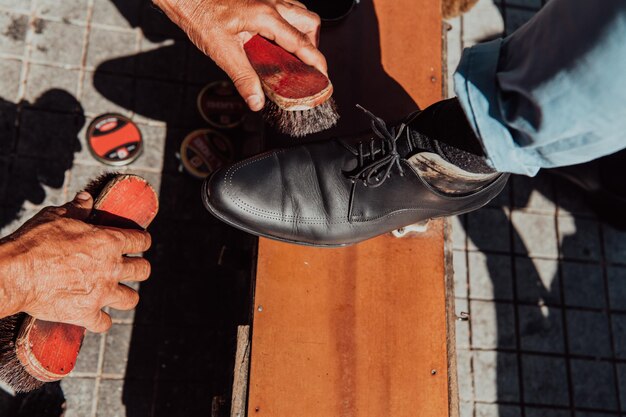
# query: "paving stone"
[[142, 358], [535, 234], [13, 31], [151, 157], [594, 384], [497, 410], [110, 399], [546, 412], [462, 333], [571, 200], [580, 238], [57, 42], [537, 280], [495, 376], [8, 127], [459, 262], [50, 88], [5, 165], [116, 349], [36, 183], [544, 380], [67, 10], [201, 69], [454, 48], [162, 60], [457, 225], [534, 194], [79, 393], [22, 6], [493, 325], [112, 50], [51, 136], [502, 200], [483, 22], [488, 230], [583, 285], [618, 322], [16, 219], [150, 96], [466, 409], [621, 377], [156, 25], [490, 276], [88, 358], [541, 329], [588, 333], [616, 277], [593, 414], [464, 371], [123, 14], [614, 244], [11, 71], [107, 93], [180, 399]]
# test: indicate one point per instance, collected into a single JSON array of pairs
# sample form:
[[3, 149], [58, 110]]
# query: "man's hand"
[[58, 268], [220, 28]]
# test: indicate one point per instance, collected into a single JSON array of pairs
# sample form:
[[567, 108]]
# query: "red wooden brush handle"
[[49, 350], [286, 80]]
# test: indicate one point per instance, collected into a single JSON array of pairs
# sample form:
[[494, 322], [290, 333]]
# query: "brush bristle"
[[12, 372], [302, 122], [95, 186]]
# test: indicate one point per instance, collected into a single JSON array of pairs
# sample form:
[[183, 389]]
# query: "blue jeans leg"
[[554, 92]]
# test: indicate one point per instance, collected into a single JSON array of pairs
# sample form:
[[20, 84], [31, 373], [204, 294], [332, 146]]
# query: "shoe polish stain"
[[17, 29]]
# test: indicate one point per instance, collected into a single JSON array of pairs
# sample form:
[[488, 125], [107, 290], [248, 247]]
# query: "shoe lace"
[[372, 165]]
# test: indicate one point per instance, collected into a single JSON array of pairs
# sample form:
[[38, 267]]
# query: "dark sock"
[[443, 129]]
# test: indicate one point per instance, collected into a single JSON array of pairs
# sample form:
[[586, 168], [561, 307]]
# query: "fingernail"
[[254, 102], [83, 196]]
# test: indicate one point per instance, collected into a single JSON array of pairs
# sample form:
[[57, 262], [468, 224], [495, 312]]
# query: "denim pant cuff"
[[475, 86]]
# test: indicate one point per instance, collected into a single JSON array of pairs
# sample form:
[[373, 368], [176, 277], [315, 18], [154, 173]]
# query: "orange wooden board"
[[358, 331]]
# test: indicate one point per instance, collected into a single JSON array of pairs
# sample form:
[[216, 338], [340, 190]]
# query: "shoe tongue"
[[412, 142]]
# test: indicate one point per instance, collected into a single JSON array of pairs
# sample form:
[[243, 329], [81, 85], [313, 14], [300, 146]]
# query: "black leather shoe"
[[336, 192]]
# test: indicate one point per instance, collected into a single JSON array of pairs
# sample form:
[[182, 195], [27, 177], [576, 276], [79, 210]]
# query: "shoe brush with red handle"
[[33, 352], [299, 95]]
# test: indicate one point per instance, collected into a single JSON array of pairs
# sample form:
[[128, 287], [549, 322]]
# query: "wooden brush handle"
[[47, 350], [287, 81]]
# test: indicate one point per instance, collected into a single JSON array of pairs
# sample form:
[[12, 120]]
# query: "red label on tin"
[[114, 139]]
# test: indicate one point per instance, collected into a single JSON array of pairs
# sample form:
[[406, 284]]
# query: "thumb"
[[80, 207], [246, 80]]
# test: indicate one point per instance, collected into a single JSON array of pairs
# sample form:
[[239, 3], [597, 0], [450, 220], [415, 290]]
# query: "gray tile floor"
[[543, 281]]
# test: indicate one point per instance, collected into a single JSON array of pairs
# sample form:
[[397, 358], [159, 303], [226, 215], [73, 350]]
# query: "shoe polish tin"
[[203, 151], [114, 139], [220, 104]]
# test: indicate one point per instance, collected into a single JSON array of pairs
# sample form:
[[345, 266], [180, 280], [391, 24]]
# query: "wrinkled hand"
[[220, 28], [58, 268]]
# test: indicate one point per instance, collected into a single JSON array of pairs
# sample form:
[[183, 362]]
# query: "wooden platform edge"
[[451, 317], [453, 386], [241, 373]]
